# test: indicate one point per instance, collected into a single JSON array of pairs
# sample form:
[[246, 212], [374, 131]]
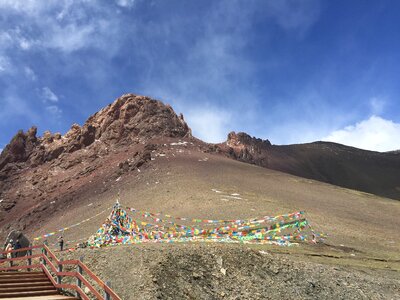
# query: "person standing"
[[10, 247], [61, 243]]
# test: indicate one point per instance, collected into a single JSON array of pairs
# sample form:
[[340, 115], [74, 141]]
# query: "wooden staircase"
[[42, 277], [28, 285]]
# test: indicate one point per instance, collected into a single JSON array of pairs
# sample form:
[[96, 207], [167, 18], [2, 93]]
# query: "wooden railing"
[[53, 268]]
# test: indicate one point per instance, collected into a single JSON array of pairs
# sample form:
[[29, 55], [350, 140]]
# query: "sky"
[[288, 71]]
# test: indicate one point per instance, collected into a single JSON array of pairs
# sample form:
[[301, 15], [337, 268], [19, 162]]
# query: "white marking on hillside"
[[233, 197], [179, 144]]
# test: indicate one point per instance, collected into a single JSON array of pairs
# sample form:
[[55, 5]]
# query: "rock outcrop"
[[245, 148], [129, 119]]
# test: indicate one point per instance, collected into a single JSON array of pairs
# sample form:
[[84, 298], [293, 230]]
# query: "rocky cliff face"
[[129, 119], [245, 148]]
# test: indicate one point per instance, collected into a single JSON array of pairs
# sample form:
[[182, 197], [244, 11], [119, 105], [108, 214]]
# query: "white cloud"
[[209, 124], [63, 25], [30, 73], [54, 110], [125, 3], [15, 37], [48, 95], [71, 37], [375, 133], [5, 39], [26, 6], [5, 64]]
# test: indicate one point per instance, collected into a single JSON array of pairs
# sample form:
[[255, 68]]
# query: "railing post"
[[106, 294], [29, 253], [44, 252], [78, 280], [59, 269]]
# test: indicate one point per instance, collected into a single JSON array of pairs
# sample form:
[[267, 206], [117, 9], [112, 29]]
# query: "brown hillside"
[[368, 171], [139, 148]]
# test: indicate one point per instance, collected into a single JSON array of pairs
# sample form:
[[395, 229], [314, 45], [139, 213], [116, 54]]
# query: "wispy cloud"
[[377, 105], [30, 73], [125, 3], [292, 15], [375, 133], [215, 67], [77, 25], [48, 95], [210, 124], [54, 111], [198, 61], [5, 64]]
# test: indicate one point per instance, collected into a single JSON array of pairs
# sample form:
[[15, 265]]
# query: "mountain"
[[349, 167], [130, 119], [140, 150], [35, 171]]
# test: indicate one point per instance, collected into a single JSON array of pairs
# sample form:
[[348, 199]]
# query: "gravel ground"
[[220, 271]]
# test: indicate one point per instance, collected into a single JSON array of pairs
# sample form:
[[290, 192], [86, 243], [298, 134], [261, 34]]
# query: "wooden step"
[[26, 288], [17, 280], [28, 294], [22, 284], [21, 273], [51, 297], [16, 275]]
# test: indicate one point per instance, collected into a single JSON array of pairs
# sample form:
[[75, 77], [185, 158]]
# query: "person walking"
[[61, 243]]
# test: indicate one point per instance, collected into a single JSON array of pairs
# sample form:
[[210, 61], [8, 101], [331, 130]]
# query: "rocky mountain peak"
[[129, 119], [243, 147], [241, 140], [131, 116]]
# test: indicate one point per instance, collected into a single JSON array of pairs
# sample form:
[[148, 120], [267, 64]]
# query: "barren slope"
[[368, 171], [183, 183], [362, 242]]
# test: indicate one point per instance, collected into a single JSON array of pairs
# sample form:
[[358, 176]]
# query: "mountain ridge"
[[123, 137], [126, 120], [337, 164]]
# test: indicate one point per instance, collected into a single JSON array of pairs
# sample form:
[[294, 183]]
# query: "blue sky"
[[287, 71]]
